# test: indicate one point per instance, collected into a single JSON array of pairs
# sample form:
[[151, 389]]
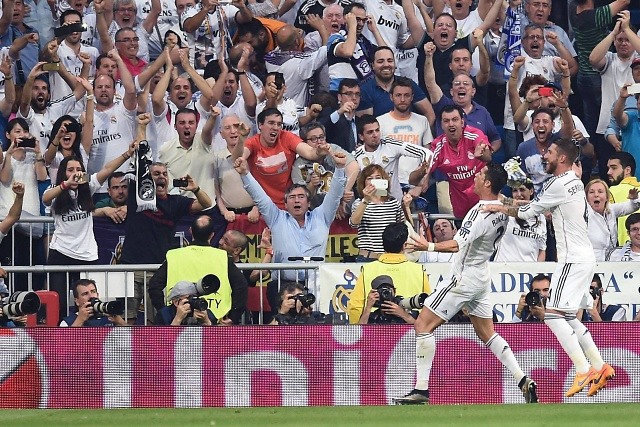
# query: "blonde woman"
[[603, 216]]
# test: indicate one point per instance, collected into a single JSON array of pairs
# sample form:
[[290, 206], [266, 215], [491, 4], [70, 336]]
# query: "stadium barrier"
[[290, 366]]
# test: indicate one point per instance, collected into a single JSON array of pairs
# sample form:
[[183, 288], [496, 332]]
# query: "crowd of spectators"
[[300, 113]]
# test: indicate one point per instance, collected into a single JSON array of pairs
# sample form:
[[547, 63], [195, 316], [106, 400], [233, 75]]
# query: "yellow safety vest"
[[408, 277], [192, 263]]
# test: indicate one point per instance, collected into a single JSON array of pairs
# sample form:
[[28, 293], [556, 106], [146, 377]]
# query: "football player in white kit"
[[467, 286], [563, 194]]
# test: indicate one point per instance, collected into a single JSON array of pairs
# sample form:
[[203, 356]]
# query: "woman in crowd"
[[372, 212], [603, 216], [523, 241], [73, 242]]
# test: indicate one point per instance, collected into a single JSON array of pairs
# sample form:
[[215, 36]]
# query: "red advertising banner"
[[289, 365]]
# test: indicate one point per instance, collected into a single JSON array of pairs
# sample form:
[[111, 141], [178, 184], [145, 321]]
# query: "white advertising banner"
[[620, 281]]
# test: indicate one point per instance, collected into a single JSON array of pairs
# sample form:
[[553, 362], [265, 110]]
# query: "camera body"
[[387, 293], [27, 143], [595, 292], [110, 308], [533, 299], [197, 303], [306, 301]]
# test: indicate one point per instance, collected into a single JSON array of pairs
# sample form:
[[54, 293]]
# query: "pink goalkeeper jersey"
[[460, 166]]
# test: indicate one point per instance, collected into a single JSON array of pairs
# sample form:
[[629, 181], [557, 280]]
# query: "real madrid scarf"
[[511, 39], [145, 187]]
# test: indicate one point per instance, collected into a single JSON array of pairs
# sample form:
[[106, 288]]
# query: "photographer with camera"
[[198, 262], [92, 311], [295, 306], [187, 308], [601, 312], [406, 277], [532, 305], [389, 309]]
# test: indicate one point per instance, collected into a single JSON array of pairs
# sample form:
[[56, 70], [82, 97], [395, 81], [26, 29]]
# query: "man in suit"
[[340, 125]]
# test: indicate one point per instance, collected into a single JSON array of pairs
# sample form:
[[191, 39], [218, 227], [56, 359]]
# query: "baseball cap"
[[182, 288], [635, 62], [381, 280]]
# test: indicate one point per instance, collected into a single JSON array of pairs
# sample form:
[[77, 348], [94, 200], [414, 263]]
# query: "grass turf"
[[611, 414]]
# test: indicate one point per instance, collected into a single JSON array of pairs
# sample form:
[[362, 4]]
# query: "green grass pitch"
[[584, 415]]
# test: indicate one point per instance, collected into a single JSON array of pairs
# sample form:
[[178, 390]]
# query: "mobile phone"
[[180, 182], [65, 30], [381, 186], [74, 127], [27, 143], [633, 89], [545, 91], [82, 179], [51, 66], [279, 80]]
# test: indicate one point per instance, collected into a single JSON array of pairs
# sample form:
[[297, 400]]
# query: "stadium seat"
[[50, 306]]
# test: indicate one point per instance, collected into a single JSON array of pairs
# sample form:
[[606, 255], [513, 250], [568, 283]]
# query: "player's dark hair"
[[451, 109], [348, 8], [81, 282], [366, 119], [400, 82], [381, 48], [394, 237], [347, 83], [455, 23], [568, 148], [537, 278], [268, 112], [497, 176], [626, 160], [543, 110], [116, 174]]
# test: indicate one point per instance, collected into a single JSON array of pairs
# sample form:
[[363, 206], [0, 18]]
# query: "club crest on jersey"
[[366, 161], [114, 119], [470, 155], [385, 160]]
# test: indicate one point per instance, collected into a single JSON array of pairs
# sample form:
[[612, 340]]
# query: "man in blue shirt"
[[296, 231], [83, 291]]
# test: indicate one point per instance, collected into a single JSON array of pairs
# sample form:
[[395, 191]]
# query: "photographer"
[[535, 312], [85, 295], [295, 306], [383, 296], [601, 312], [186, 308], [408, 278]]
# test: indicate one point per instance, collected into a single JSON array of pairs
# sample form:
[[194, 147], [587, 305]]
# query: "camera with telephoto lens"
[[533, 299], [110, 308], [20, 304], [415, 302], [306, 301], [387, 293], [595, 292], [209, 284]]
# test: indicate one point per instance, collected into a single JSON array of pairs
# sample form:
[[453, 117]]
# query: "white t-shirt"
[[40, 124], [291, 112], [59, 88], [615, 74], [415, 130], [527, 131], [564, 196], [59, 157], [113, 132], [523, 244], [24, 171], [168, 20], [73, 235]]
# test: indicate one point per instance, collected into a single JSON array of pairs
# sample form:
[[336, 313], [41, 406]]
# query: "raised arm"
[[151, 70], [6, 104], [130, 99], [104, 17], [317, 24], [347, 47], [25, 100], [87, 135], [200, 82], [114, 164], [415, 28], [618, 108], [7, 15], [482, 78], [491, 14], [159, 94], [152, 18], [435, 93], [15, 210], [597, 57], [562, 51], [248, 95]]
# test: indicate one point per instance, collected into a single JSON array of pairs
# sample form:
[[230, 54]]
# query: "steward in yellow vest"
[[192, 263]]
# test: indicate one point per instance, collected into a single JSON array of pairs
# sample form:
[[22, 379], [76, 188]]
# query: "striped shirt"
[[589, 28], [374, 220]]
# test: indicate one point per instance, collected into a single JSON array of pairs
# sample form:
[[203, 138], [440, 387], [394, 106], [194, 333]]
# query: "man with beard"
[[621, 173], [615, 71], [350, 54], [114, 120], [69, 52], [37, 107], [565, 197], [114, 207], [375, 98], [532, 150], [296, 230], [403, 125]]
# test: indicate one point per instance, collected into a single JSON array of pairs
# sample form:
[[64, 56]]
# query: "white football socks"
[[501, 349], [568, 340], [586, 342], [425, 352]]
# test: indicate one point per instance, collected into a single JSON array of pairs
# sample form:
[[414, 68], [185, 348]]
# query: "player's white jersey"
[[523, 244], [564, 196], [478, 239]]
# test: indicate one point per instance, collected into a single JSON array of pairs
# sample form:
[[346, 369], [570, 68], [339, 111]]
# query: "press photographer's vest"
[[407, 276], [192, 263]]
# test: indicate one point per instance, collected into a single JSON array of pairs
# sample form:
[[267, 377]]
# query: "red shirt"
[[134, 69], [271, 166], [460, 166]]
